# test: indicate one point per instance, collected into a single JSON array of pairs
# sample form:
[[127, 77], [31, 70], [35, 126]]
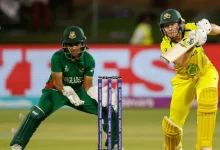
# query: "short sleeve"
[[90, 66], [165, 46], [56, 65], [191, 26]]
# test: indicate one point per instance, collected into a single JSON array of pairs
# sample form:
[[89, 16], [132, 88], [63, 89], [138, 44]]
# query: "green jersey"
[[73, 70]]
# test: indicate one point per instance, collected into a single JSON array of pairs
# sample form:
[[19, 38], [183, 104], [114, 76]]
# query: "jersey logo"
[[72, 35], [192, 69], [92, 70], [66, 68], [81, 70], [35, 113], [166, 16]]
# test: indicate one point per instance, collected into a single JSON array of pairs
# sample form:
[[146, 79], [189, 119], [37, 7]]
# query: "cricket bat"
[[178, 50]]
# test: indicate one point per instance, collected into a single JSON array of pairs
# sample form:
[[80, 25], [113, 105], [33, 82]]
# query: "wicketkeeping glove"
[[93, 93], [72, 96]]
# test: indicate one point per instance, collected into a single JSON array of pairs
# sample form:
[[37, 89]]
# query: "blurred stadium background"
[[28, 39]]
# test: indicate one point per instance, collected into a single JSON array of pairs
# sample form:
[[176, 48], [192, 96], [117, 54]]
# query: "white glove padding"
[[200, 36], [93, 93], [72, 96], [204, 25]]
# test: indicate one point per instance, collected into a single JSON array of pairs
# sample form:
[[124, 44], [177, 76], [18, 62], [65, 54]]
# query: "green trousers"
[[52, 100]]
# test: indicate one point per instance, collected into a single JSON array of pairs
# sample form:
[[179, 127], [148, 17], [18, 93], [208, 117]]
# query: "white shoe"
[[16, 147], [205, 148]]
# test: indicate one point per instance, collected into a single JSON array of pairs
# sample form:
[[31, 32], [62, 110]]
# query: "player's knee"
[[46, 103], [208, 100], [37, 113]]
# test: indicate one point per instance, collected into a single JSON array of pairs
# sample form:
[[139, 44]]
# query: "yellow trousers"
[[185, 90]]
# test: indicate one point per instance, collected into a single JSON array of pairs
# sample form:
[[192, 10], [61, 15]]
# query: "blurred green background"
[[71, 129], [103, 21]]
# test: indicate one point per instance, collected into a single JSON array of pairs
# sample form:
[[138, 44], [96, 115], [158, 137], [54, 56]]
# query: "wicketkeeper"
[[70, 83]]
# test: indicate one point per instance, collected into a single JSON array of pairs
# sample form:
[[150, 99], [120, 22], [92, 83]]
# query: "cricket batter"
[[70, 83], [195, 77]]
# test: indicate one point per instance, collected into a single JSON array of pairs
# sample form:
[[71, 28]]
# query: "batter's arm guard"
[[172, 134]]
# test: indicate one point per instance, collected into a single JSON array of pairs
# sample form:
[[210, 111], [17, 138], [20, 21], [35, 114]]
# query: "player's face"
[[74, 49], [171, 30]]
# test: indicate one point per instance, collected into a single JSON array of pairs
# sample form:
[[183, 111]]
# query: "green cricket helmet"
[[73, 35], [170, 16]]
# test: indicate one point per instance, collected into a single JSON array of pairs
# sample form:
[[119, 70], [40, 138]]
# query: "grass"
[[74, 130]]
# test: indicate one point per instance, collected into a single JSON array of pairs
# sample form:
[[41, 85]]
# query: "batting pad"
[[207, 109], [172, 134]]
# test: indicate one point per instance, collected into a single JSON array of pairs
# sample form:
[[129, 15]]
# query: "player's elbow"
[[182, 59], [179, 61], [215, 30], [59, 86]]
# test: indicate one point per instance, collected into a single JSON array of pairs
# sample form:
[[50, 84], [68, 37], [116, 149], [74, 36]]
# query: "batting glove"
[[200, 36], [204, 25]]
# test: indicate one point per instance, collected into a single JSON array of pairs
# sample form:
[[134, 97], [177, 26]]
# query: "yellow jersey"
[[194, 66]]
